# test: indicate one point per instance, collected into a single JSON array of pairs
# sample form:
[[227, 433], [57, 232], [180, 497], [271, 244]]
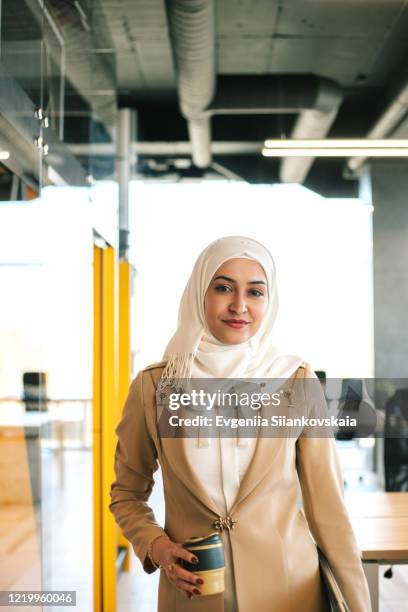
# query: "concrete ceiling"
[[363, 45], [360, 44], [143, 52], [356, 43], [342, 39]]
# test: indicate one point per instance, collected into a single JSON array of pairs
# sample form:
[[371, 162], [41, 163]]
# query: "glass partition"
[[24, 418], [46, 492]]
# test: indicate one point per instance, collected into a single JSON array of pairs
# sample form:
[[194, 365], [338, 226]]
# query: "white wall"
[[322, 250]]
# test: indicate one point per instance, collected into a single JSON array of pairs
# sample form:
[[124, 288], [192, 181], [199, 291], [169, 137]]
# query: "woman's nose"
[[238, 305]]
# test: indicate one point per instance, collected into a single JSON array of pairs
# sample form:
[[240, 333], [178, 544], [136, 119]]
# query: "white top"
[[220, 467]]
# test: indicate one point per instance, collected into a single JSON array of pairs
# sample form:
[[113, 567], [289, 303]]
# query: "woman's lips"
[[236, 324]]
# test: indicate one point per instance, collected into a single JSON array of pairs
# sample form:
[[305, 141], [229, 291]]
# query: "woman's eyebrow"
[[231, 280]]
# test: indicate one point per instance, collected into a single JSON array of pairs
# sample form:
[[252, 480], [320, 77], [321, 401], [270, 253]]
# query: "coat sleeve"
[[134, 464], [322, 488]]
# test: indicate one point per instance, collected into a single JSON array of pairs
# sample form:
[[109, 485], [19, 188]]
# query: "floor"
[[393, 592], [67, 524], [137, 591]]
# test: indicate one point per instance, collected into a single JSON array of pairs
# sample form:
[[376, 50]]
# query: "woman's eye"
[[222, 288], [226, 289]]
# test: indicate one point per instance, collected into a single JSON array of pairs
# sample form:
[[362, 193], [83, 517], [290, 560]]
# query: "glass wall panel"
[[46, 245], [24, 418]]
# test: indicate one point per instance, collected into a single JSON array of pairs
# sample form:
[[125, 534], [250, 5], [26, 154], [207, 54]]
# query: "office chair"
[[396, 446], [35, 391], [350, 400], [396, 442]]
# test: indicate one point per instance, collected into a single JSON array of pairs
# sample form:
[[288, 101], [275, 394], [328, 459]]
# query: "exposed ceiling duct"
[[192, 32], [316, 99], [314, 122], [388, 124], [140, 147]]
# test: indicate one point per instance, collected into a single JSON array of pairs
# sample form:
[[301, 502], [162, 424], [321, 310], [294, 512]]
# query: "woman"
[[248, 486]]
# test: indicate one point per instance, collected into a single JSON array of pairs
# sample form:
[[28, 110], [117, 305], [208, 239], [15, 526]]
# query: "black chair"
[[321, 375], [35, 391], [350, 400], [396, 442]]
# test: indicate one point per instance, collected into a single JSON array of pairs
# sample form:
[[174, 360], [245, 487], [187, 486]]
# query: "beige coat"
[[273, 546]]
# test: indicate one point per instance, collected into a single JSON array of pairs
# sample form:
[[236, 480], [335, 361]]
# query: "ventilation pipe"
[[387, 125], [192, 33], [314, 122]]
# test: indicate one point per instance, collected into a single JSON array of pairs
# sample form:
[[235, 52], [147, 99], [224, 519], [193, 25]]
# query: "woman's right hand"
[[167, 553]]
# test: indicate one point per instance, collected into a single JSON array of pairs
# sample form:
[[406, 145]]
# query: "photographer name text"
[[258, 421]]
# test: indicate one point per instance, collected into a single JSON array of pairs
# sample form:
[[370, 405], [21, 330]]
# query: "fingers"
[[185, 581], [170, 552], [182, 553], [187, 576], [188, 588], [181, 578]]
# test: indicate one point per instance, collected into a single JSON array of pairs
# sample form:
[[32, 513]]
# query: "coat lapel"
[[265, 453], [176, 455]]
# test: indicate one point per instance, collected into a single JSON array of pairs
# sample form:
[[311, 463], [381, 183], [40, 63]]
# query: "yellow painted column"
[[125, 367], [110, 399], [96, 428], [105, 410]]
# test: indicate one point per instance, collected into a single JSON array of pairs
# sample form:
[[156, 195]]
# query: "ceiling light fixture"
[[345, 143], [300, 152], [4, 155], [336, 147]]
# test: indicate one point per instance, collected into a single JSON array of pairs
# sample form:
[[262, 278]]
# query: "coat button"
[[224, 522]]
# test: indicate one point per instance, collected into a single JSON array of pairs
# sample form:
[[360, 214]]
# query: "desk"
[[380, 523], [377, 504]]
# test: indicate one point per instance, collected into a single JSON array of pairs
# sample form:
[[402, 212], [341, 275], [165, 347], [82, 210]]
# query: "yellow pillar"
[[125, 368], [108, 422], [96, 429], [105, 410]]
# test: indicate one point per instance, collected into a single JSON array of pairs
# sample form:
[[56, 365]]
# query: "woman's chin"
[[233, 336]]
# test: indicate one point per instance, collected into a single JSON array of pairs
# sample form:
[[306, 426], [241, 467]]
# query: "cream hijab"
[[193, 352]]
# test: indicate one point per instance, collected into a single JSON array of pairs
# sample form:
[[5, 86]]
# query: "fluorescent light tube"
[[336, 143], [333, 152]]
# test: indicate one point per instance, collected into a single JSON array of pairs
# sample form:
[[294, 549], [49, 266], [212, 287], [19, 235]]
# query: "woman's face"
[[236, 300]]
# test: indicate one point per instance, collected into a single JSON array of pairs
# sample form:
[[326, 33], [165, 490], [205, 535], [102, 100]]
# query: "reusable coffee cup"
[[209, 551]]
